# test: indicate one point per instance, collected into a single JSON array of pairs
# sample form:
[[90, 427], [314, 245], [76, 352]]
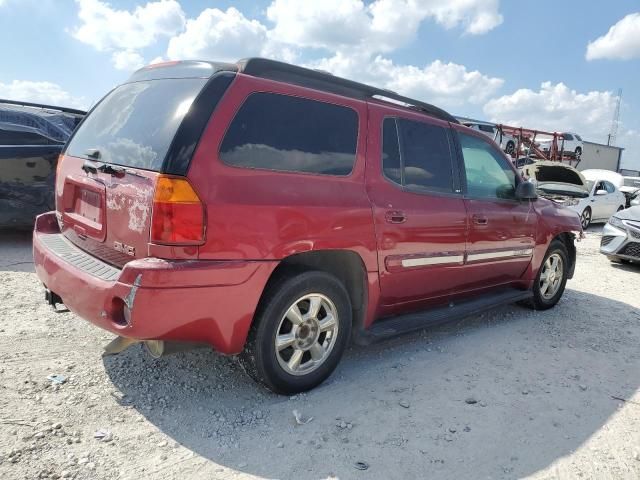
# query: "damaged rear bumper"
[[194, 301]]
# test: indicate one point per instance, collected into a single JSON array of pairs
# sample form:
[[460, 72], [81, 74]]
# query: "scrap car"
[[32, 137], [292, 211], [587, 193]]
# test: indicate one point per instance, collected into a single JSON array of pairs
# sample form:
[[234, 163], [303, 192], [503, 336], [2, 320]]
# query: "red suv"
[[278, 212]]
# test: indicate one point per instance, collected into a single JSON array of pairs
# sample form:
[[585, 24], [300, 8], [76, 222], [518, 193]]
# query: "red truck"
[[278, 213]]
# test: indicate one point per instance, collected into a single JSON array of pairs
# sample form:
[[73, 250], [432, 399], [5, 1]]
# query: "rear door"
[[106, 181], [418, 210], [501, 229]]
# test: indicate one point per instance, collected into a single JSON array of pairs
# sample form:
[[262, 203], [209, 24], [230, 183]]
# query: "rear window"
[[134, 125], [280, 132]]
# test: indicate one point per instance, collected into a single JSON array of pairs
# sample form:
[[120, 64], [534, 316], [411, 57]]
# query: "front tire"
[[585, 218], [552, 277], [299, 334], [578, 152]]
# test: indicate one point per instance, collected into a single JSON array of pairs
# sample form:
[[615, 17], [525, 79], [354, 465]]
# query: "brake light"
[[178, 213]]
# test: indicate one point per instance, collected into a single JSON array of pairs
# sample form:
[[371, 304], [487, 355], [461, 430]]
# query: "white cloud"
[[220, 35], [445, 84], [107, 29], [124, 32], [40, 92], [555, 107], [127, 60], [381, 26], [621, 42]]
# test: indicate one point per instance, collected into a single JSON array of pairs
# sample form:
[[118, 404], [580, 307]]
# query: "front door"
[[501, 228], [418, 210]]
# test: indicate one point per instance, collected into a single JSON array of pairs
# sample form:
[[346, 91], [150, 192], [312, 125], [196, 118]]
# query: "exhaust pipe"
[[155, 348], [162, 348]]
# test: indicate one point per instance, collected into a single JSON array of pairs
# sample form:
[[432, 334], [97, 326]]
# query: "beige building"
[[597, 155]]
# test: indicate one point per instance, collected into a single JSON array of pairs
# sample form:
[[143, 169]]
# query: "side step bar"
[[411, 322]]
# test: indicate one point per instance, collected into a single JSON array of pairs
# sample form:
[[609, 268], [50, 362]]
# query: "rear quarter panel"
[[257, 214]]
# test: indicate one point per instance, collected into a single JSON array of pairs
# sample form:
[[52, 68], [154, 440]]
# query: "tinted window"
[[391, 151], [279, 132], [417, 155], [488, 172], [486, 128], [578, 138], [135, 124], [567, 136]]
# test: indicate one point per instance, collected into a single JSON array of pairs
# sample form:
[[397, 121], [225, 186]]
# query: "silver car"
[[621, 236]]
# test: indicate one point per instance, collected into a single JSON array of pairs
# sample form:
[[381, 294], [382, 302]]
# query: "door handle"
[[480, 220], [395, 216]]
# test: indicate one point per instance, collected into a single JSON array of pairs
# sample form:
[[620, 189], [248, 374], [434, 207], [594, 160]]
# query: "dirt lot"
[[509, 394]]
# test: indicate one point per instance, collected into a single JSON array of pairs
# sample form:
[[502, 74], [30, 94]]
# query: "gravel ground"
[[508, 394]]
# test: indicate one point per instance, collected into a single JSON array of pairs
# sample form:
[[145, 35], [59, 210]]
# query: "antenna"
[[613, 132]]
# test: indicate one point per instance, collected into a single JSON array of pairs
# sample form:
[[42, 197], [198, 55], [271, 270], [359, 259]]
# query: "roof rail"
[[319, 80], [40, 105]]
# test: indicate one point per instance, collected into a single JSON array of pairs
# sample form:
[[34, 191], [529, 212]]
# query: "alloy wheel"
[[306, 334], [551, 276]]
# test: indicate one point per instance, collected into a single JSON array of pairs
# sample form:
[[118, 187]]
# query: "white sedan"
[[604, 200]]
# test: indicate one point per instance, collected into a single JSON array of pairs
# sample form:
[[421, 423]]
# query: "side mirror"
[[601, 192], [526, 191]]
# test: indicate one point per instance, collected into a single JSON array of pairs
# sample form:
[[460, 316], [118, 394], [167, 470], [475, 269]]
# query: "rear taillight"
[[178, 213]]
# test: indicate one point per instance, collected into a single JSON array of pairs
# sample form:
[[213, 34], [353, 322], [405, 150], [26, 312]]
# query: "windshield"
[[589, 184], [134, 125]]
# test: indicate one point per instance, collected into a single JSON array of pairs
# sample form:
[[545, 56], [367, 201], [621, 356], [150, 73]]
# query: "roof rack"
[[40, 105], [319, 80]]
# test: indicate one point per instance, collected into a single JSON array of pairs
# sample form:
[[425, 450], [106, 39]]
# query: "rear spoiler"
[[43, 106]]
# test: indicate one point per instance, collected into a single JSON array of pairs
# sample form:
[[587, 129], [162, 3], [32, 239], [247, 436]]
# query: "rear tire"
[[552, 277], [292, 346], [585, 218]]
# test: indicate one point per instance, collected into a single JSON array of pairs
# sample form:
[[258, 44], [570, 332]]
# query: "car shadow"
[[16, 251], [501, 395]]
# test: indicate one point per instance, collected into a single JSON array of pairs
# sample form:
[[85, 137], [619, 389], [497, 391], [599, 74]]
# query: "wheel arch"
[[346, 265], [568, 239]]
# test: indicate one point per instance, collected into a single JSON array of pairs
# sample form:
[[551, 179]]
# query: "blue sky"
[[512, 61]]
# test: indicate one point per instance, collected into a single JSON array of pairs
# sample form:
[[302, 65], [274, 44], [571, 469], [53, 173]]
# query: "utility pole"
[[613, 132]]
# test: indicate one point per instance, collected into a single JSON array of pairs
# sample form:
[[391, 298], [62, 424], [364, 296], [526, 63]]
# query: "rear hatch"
[[108, 175]]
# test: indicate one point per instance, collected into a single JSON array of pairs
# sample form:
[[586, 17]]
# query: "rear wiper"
[[89, 167], [112, 169]]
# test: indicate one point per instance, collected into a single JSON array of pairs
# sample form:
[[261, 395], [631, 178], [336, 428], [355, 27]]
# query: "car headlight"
[[616, 222], [572, 202]]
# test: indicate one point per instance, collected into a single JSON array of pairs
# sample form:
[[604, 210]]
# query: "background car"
[[621, 236], [590, 196], [507, 143], [572, 143], [31, 139], [626, 187]]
